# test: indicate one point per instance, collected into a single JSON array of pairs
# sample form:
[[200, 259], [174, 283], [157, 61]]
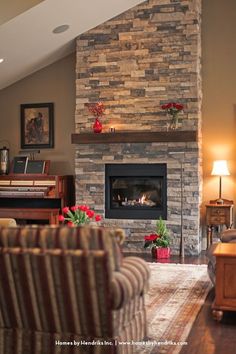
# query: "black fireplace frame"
[[137, 170]]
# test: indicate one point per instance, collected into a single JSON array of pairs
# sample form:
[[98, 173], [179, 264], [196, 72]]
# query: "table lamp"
[[220, 168]]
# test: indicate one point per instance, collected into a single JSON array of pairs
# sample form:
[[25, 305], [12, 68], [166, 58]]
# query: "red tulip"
[[70, 223], [61, 218], [98, 218], [83, 207], [90, 213], [74, 208], [65, 210]]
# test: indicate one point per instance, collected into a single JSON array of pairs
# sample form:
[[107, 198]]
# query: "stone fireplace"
[[135, 191], [134, 63]]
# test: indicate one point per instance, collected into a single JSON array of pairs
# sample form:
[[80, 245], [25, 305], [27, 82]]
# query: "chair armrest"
[[211, 267], [139, 264], [7, 222], [228, 235], [130, 281]]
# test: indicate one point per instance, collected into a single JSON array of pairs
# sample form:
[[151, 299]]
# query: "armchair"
[[228, 235], [69, 287]]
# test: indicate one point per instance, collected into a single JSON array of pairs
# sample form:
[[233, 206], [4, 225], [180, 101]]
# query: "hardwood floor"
[[207, 336], [210, 337], [201, 259]]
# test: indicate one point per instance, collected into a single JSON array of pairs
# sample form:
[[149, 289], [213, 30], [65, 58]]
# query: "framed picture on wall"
[[37, 125]]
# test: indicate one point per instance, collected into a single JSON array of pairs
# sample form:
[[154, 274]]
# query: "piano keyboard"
[[10, 194]]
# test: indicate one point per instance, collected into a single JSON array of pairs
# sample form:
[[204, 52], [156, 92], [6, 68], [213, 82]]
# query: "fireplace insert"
[[135, 191]]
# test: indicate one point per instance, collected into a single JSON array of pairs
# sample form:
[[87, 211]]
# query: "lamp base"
[[219, 201]]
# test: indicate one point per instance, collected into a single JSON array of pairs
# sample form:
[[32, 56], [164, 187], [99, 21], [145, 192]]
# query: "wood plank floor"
[[206, 336]]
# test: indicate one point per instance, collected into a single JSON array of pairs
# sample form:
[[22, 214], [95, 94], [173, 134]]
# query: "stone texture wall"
[[133, 63], [90, 172]]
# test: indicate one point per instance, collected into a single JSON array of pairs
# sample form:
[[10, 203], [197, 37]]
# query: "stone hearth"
[[133, 63]]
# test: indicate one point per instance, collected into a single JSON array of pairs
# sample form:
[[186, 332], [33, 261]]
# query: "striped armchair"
[[69, 290]]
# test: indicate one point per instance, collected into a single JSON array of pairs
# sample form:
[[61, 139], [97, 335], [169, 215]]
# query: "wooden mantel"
[[134, 137]]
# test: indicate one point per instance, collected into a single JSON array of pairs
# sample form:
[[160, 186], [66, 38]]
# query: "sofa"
[[69, 290], [228, 235]]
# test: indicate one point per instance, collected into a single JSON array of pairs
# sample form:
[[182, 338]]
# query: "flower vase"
[[174, 122], [97, 126], [161, 252]]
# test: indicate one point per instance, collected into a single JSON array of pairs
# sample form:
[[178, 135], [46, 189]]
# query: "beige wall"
[[219, 94], [55, 83], [10, 9]]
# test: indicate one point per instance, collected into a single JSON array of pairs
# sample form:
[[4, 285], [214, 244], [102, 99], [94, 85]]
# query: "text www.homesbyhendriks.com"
[[116, 342]]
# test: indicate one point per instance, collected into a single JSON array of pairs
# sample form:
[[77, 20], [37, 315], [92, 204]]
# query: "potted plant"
[[160, 241]]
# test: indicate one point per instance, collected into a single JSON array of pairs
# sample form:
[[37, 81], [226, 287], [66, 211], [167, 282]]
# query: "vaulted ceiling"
[[27, 42]]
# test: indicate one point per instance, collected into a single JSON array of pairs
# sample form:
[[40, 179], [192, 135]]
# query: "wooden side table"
[[218, 214], [225, 287]]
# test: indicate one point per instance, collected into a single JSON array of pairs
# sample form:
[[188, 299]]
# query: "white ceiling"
[[27, 43]]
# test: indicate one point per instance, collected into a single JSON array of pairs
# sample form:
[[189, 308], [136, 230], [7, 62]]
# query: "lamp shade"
[[220, 168]]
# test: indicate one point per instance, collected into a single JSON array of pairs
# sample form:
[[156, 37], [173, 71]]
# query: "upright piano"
[[35, 197]]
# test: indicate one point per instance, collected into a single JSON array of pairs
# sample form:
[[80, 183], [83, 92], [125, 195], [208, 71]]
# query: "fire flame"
[[142, 199]]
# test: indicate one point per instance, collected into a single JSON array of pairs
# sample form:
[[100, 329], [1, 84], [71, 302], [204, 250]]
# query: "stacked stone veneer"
[[135, 62]]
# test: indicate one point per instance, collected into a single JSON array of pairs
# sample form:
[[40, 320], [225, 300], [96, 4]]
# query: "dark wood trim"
[[134, 137], [31, 214]]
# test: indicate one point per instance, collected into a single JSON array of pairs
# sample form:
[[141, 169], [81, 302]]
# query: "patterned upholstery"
[[68, 285]]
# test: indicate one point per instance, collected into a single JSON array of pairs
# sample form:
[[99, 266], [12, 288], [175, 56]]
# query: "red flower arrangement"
[[97, 109], [155, 240], [160, 239], [173, 108], [78, 215], [151, 237]]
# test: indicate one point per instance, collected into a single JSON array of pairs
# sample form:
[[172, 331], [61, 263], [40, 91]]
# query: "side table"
[[218, 214], [225, 287]]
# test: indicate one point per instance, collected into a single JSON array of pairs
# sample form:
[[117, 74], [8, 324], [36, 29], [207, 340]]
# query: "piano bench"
[[31, 214]]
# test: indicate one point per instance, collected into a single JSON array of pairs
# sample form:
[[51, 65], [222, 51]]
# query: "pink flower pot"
[[161, 252]]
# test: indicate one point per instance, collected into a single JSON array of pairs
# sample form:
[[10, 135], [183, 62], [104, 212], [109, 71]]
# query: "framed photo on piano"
[[19, 164], [35, 166], [37, 125], [23, 165]]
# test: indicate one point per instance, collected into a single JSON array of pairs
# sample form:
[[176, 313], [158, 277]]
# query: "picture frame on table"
[[37, 125]]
